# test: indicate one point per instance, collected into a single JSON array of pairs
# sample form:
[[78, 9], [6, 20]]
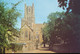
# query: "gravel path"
[[41, 50]]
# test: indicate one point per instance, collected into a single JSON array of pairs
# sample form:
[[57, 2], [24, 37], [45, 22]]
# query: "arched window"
[[29, 36], [26, 34]]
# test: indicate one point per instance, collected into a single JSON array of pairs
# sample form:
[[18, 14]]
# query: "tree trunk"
[[3, 50]]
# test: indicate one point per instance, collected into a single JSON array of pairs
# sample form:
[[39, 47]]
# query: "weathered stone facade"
[[30, 32]]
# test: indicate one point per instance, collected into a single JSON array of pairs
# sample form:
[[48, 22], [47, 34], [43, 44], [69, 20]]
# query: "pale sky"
[[42, 9]]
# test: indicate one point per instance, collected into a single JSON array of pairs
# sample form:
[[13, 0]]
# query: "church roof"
[[27, 26]]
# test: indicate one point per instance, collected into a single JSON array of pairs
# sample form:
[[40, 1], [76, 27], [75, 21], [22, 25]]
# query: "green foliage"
[[72, 23], [70, 5], [16, 47], [8, 19], [63, 28], [48, 30], [45, 34], [55, 26]]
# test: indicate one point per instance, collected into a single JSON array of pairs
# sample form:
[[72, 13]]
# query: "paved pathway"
[[41, 50]]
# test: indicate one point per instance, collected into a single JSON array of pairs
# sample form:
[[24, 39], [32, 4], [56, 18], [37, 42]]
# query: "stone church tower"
[[30, 32], [27, 36], [29, 17]]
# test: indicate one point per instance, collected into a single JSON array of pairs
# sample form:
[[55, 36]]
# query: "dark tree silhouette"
[[71, 5]]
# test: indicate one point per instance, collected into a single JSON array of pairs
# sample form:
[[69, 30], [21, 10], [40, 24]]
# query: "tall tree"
[[45, 34], [8, 19], [53, 27], [73, 20]]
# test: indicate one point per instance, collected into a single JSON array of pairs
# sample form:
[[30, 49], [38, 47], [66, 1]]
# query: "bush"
[[16, 47]]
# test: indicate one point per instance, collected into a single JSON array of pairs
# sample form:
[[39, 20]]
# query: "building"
[[30, 32]]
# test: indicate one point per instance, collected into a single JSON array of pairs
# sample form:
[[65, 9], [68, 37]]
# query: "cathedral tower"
[[29, 17], [30, 32], [27, 27]]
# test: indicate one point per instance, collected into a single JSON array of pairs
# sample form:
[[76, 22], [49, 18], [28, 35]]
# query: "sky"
[[42, 9]]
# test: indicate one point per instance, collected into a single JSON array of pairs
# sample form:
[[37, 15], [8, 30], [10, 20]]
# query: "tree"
[[73, 21], [64, 30], [55, 26], [8, 19], [49, 32], [45, 34], [70, 5]]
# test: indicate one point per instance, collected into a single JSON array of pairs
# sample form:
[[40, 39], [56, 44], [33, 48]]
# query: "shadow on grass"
[[57, 49], [45, 49], [65, 49], [54, 50], [62, 49]]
